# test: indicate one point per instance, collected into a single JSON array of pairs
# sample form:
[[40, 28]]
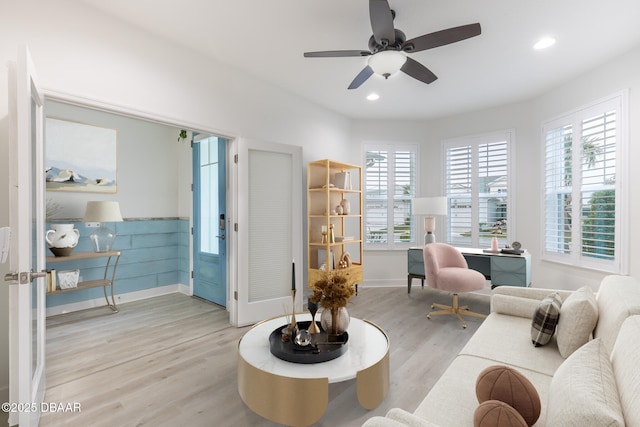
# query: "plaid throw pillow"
[[545, 319]]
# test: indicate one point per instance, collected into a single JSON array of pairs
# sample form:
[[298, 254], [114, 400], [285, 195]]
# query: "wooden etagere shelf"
[[331, 184], [109, 273]]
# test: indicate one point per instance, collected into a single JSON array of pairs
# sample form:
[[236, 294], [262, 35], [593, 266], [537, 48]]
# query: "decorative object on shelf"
[[333, 290], [102, 238], [339, 210], [345, 260], [346, 206], [62, 238], [343, 180], [313, 309], [324, 234], [68, 279], [429, 206], [332, 236]]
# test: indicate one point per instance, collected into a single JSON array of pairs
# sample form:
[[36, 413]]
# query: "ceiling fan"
[[388, 46]]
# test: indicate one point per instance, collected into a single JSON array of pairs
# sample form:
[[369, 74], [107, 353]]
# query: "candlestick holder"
[[293, 326]]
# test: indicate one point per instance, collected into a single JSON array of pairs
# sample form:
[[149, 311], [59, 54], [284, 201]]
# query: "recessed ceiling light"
[[373, 96], [544, 43]]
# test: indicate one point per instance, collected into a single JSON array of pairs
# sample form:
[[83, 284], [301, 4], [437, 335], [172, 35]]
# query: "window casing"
[[584, 202], [477, 186], [390, 180]]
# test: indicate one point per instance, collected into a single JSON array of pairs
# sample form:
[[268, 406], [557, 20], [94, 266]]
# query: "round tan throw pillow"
[[494, 413], [511, 387]]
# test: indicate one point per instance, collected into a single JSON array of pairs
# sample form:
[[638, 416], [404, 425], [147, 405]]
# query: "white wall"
[[387, 267], [80, 52]]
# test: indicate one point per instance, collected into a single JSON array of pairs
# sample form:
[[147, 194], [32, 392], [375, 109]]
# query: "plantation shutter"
[[558, 199], [376, 205], [476, 186], [390, 185], [583, 210], [459, 190], [598, 194]]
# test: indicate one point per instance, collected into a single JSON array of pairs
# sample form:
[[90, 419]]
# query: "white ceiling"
[[267, 38]]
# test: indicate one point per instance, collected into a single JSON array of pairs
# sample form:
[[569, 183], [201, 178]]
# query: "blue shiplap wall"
[[154, 253]]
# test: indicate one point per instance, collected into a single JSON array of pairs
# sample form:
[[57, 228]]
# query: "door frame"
[[232, 186], [196, 204]]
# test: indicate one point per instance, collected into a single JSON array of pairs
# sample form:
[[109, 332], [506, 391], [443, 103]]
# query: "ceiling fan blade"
[[441, 38], [382, 21], [361, 77], [336, 53], [418, 71]]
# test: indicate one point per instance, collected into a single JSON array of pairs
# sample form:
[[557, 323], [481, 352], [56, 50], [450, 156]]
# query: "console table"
[[297, 394], [106, 281], [501, 269]]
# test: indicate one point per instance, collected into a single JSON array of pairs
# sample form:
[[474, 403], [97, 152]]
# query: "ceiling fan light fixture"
[[387, 62]]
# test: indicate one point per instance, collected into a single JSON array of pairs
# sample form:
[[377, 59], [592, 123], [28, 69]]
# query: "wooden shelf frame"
[[322, 199]]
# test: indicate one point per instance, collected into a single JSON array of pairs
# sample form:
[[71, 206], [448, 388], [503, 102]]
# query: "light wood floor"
[[171, 361]]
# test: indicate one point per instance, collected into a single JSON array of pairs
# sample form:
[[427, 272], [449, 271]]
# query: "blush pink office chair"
[[447, 270]]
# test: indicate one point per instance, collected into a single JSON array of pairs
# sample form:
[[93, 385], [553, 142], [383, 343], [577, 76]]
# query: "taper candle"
[[293, 275]]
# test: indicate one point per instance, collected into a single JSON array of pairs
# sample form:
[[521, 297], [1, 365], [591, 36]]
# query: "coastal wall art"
[[80, 157]]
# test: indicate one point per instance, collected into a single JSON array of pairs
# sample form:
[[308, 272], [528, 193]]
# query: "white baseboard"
[[120, 298], [383, 283]]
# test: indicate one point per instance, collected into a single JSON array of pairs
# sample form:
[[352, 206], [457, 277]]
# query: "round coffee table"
[[297, 394]]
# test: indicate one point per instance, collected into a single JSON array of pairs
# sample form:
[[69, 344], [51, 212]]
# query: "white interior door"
[[26, 218], [269, 230]]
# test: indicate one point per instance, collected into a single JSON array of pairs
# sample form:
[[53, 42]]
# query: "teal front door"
[[209, 219]]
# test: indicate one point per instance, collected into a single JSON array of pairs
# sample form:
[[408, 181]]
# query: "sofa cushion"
[[578, 318], [494, 413], [626, 369], [505, 384], [489, 343], [583, 390], [618, 298], [545, 319]]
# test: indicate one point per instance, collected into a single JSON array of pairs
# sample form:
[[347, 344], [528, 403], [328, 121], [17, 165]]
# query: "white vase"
[[62, 236], [346, 206]]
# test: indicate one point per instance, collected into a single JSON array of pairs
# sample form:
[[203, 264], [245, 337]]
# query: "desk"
[[501, 269], [297, 394]]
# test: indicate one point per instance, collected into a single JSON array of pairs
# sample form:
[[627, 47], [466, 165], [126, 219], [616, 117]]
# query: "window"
[[390, 184], [583, 199], [477, 189]]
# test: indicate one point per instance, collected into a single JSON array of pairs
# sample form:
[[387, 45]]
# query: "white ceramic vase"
[[62, 236]]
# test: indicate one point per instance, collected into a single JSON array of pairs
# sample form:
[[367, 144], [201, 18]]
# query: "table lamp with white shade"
[[430, 207], [102, 211]]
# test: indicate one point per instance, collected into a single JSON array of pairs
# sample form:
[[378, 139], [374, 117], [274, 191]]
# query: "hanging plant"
[[182, 135]]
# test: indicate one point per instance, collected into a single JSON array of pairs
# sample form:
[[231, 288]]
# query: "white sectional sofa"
[[571, 389]]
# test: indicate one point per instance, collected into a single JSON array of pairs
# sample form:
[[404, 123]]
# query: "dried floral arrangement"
[[333, 289]]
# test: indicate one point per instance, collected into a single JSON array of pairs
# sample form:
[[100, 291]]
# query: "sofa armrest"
[[519, 301]]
